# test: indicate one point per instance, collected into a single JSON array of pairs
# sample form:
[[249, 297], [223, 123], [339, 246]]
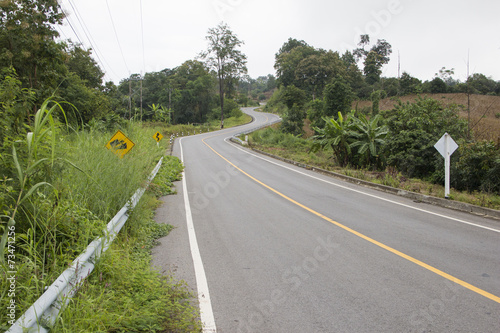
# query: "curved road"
[[274, 248]]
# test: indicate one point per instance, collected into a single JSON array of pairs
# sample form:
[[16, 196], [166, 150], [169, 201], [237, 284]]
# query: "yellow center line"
[[371, 240]]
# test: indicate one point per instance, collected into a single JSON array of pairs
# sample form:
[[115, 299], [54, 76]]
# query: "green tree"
[[478, 167], [437, 86], [375, 98], [409, 84], [88, 102], [338, 97], [288, 58], [292, 95], [315, 71], [316, 113], [224, 57], [27, 43], [390, 86], [414, 128], [353, 75], [374, 58], [293, 118], [372, 70], [447, 76], [81, 63], [271, 83], [15, 102], [480, 84]]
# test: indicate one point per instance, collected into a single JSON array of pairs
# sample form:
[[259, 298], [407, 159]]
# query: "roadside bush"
[[316, 112], [293, 120], [275, 138], [414, 128], [231, 109], [275, 104], [478, 167]]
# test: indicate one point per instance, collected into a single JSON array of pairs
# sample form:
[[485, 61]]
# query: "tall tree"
[[81, 63], [288, 59], [224, 57], [316, 71], [338, 97], [374, 58], [27, 43], [409, 84]]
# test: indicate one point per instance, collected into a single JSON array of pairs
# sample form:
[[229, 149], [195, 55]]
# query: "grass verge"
[[183, 129], [272, 141], [124, 294], [88, 185]]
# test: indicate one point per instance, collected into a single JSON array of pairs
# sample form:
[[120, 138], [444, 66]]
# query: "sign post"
[[158, 138], [446, 146]]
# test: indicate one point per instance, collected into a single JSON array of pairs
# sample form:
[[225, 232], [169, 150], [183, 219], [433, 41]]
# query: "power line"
[[71, 25], [101, 59], [92, 43], [116, 35]]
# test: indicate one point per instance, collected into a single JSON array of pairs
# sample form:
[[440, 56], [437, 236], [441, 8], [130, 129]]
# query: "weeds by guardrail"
[[43, 313]]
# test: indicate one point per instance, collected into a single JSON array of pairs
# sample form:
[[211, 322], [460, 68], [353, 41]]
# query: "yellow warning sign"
[[120, 144], [158, 136]]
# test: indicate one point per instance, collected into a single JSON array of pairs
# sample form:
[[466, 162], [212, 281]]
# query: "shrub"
[[478, 167], [414, 128]]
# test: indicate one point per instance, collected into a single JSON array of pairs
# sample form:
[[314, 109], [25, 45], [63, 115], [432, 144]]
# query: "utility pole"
[[169, 97], [399, 74], [468, 96], [133, 78], [129, 99], [141, 97], [399, 66]]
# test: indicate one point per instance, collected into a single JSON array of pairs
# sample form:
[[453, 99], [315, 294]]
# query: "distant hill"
[[485, 110]]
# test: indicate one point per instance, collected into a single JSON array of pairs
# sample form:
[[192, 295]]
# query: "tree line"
[[35, 65], [319, 86]]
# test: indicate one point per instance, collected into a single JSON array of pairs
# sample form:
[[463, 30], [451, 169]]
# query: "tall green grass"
[[67, 188]]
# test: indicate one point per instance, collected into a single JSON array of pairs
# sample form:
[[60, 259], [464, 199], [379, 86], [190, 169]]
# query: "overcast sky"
[[427, 34]]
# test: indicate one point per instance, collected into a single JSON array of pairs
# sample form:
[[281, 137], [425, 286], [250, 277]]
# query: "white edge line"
[[206, 312], [361, 192]]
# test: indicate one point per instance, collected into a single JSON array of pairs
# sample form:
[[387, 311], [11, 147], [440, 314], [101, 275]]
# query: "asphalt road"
[[283, 249]]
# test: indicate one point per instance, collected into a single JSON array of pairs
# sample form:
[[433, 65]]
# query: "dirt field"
[[484, 115]]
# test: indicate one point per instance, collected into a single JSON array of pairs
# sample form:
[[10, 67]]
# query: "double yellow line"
[[371, 240]]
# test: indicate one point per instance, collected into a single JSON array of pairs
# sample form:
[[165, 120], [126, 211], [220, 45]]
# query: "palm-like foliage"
[[336, 134], [367, 137], [354, 140]]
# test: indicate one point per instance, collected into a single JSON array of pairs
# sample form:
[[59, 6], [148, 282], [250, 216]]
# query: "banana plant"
[[368, 137], [336, 134]]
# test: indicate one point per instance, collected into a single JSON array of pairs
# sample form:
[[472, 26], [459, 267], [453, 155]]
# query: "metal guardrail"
[[43, 313]]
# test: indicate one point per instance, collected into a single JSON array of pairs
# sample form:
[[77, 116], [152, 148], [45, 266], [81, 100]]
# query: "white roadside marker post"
[[446, 146]]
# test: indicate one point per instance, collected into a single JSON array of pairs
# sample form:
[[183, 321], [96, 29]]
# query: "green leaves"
[[368, 138], [224, 57], [34, 140], [415, 128], [354, 140], [336, 134]]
